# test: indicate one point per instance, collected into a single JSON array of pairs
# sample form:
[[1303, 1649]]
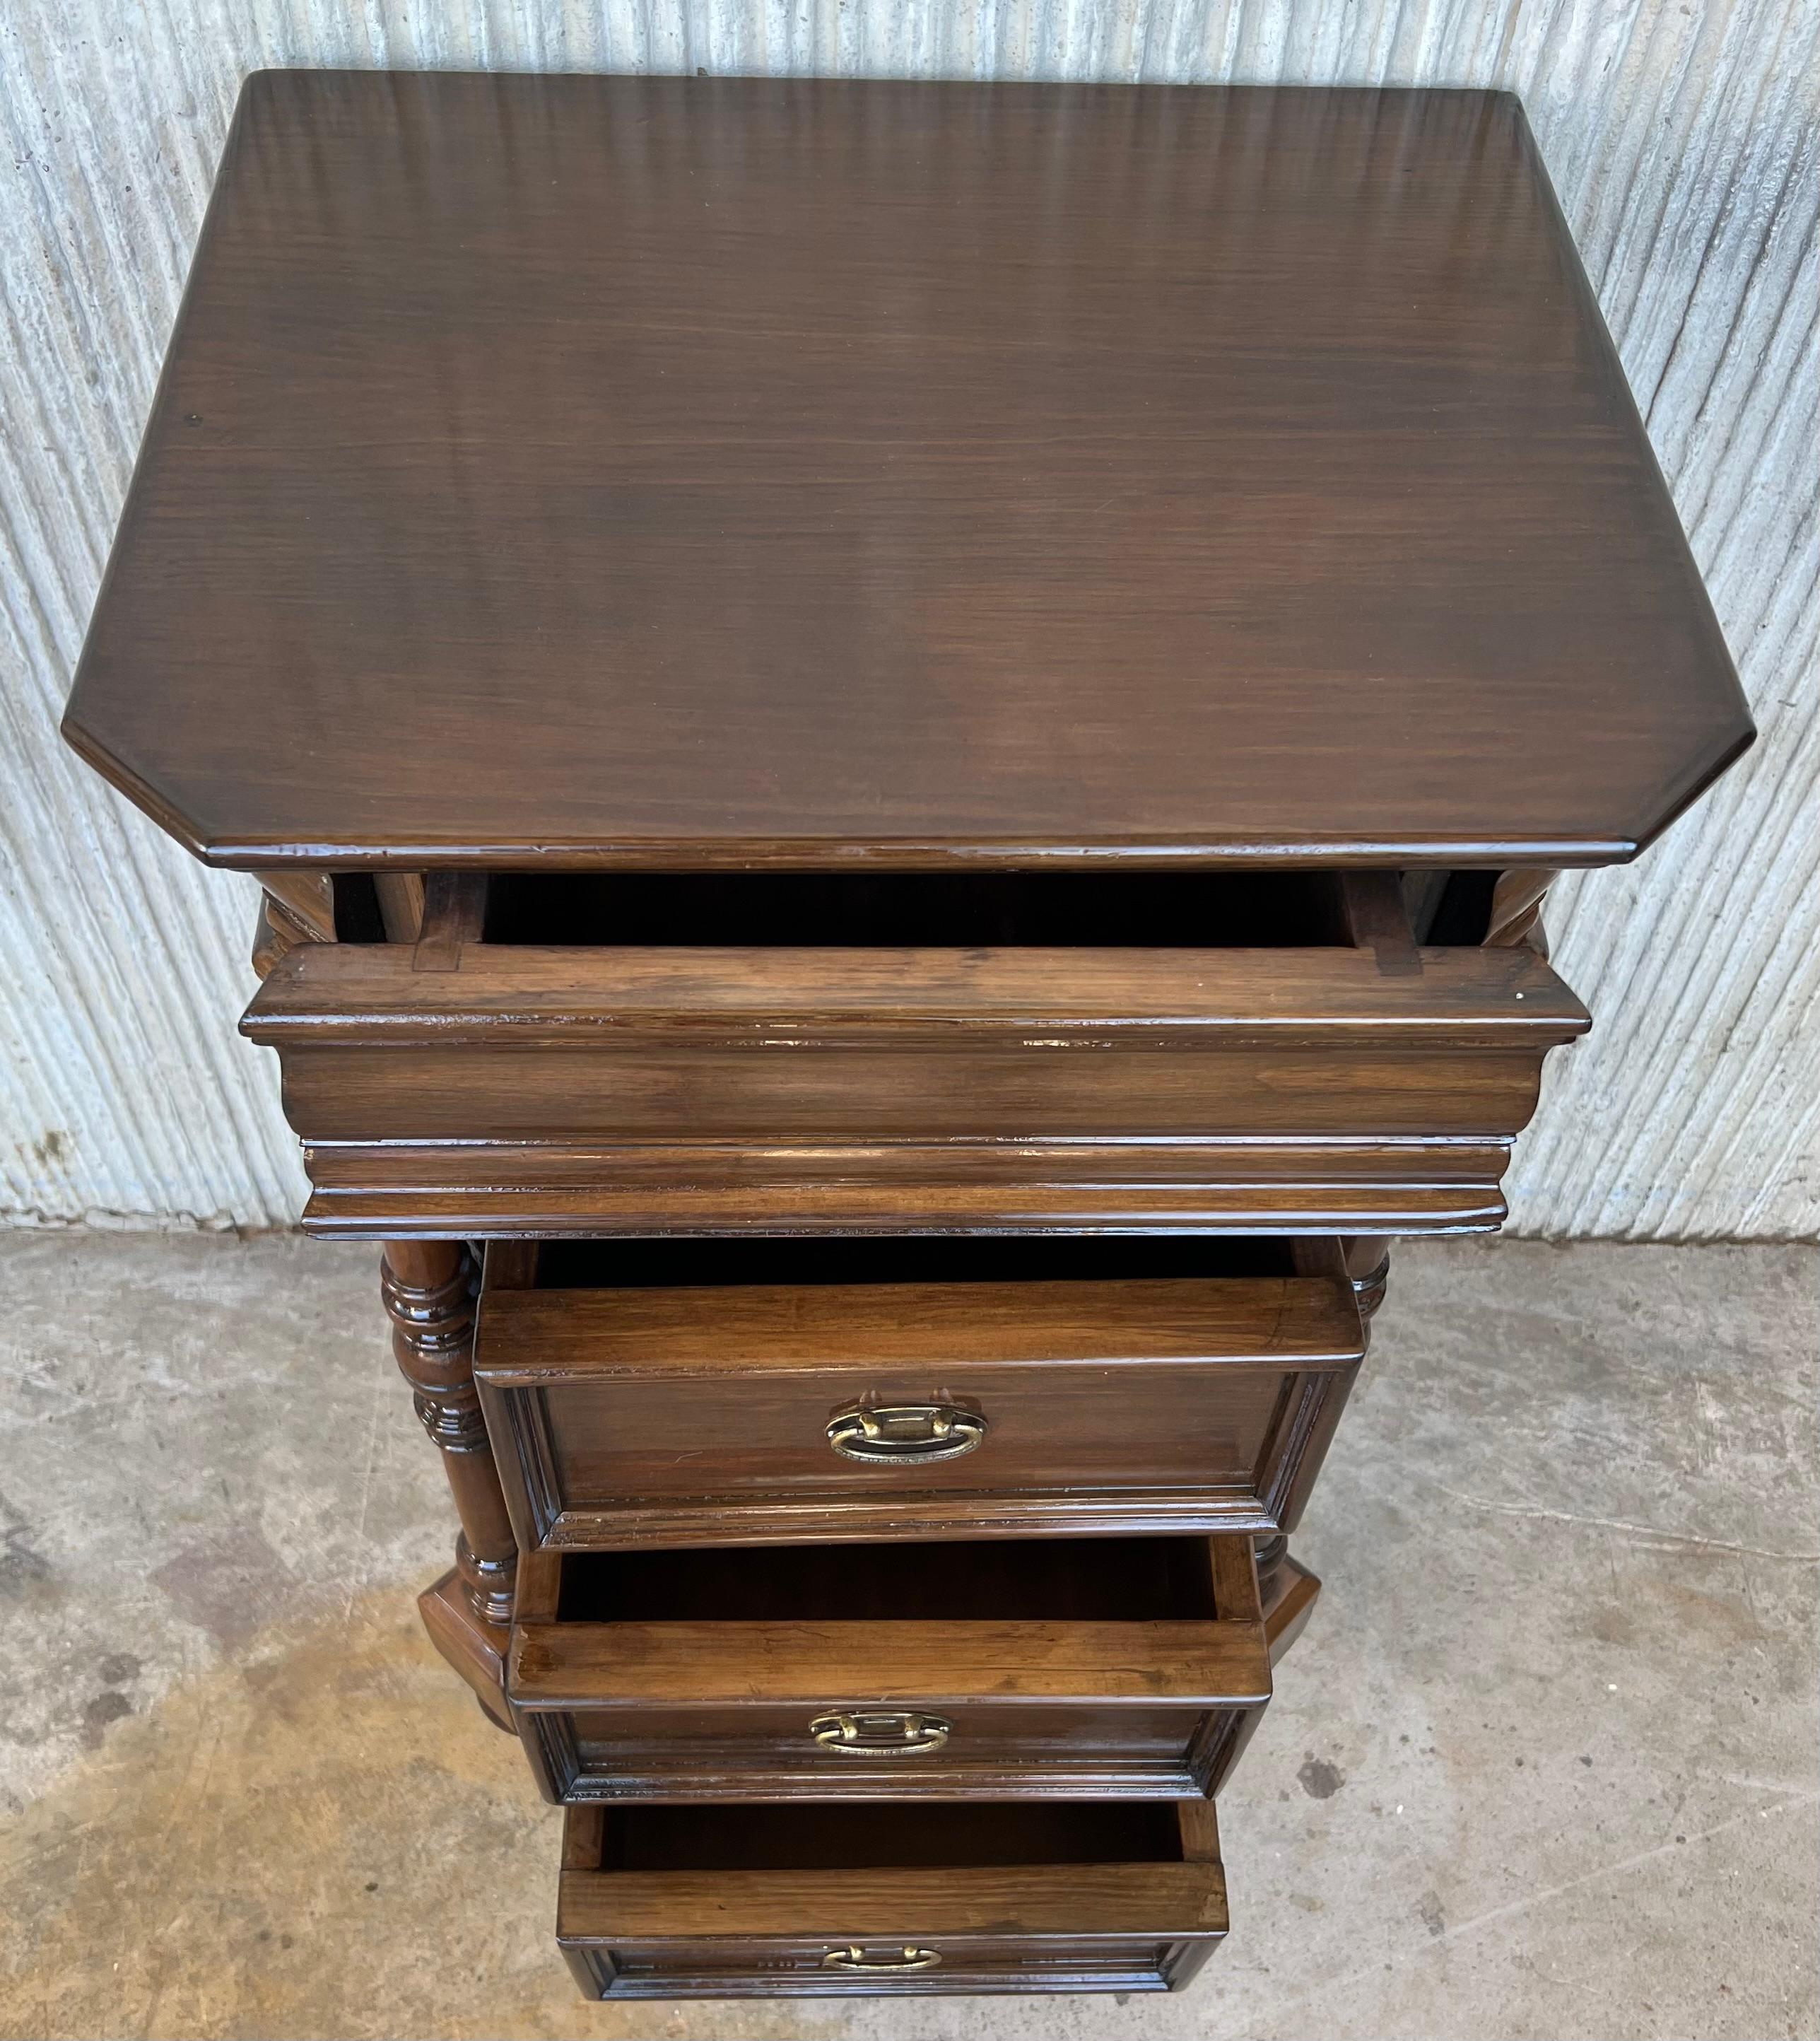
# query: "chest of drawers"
[[904, 744]]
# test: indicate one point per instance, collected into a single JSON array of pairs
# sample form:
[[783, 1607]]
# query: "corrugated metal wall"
[[1682, 138]]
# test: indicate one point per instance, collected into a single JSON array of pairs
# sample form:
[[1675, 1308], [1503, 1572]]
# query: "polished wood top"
[[686, 472]]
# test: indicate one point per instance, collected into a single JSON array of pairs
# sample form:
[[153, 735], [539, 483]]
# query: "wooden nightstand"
[[904, 742]]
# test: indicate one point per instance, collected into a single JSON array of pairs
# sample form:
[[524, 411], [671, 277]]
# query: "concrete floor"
[[1543, 1765]]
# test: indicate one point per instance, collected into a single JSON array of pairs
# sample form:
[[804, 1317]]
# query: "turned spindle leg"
[[1367, 1263], [1517, 901], [428, 1290], [1271, 1554], [1287, 1592]]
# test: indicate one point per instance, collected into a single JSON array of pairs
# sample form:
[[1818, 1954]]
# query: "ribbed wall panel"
[[1683, 142]]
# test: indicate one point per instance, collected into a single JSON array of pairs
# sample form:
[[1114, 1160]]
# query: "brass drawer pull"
[[906, 1431], [891, 1732], [854, 1958]]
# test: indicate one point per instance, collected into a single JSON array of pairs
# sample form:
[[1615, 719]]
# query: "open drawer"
[[807, 1900], [587, 1054], [1124, 1667], [713, 1392]]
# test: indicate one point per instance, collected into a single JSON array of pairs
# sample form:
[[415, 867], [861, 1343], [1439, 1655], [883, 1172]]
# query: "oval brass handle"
[[854, 1958], [906, 1431], [883, 1733]]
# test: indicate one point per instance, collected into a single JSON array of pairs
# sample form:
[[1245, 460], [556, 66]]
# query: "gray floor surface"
[[1543, 1765]]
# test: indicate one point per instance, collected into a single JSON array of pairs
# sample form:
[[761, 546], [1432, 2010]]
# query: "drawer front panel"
[[532, 1087], [1188, 1447], [1053, 1090], [886, 1753], [879, 1968], [1138, 1426], [806, 1901], [627, 1417]]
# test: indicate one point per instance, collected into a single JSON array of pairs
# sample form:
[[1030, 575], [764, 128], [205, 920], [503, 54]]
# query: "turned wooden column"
[[1368, 1263], [428, 1287], [1272, 1551], [1516, 916]]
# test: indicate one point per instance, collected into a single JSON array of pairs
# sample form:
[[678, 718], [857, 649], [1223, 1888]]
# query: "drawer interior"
[[1275, 909], [1035, 1579], [808, 1835], [706, 1901], [706, 1264], [908, 910]]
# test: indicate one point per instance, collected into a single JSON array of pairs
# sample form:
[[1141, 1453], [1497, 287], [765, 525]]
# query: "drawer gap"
[[835, 1835], [1046, 1580], [636, 1263], [357, 917], [984, 910]]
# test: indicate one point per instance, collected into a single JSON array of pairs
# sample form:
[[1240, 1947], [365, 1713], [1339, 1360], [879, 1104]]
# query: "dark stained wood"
[[715, 472], [1054, 1896], [1127, 1668], [295, 907], [596, 1088], [428, 1289], [304, 901], [400, 902], [868, 663], [451, 916], [476, 1649], [1378, 919], [827, 1664], [1314, 1422], [272, 934], [504, 994], [1289, 1592], [1516, 910], [539, 1590], [674, 1414], [1368, 1264], [402, 1188]]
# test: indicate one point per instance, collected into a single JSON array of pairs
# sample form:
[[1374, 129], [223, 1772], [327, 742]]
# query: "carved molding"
[[1370, 1287], [432, 1337], [1271, 1552], [429, 1288], [298, 907], [1367, 1258], [1517, 911]]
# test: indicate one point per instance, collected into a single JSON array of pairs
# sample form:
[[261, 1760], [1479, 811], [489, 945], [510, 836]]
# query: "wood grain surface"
[[1161, 1899], [593, 1089], [876, 1663], [545, 1335], [627, 1415], [696, 472]]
